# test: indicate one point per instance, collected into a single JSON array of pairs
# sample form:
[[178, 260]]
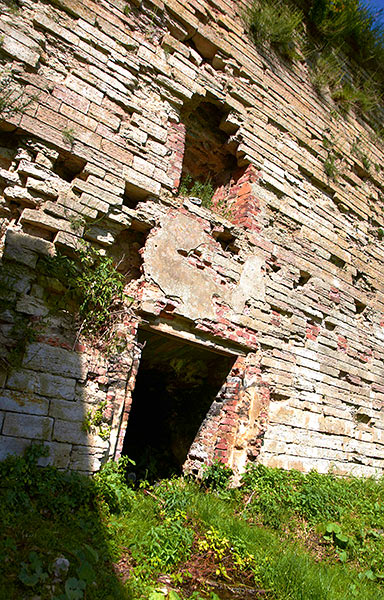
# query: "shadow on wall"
[[53, 401]]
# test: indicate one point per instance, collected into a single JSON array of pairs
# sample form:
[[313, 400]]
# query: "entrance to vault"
[[176, 384]]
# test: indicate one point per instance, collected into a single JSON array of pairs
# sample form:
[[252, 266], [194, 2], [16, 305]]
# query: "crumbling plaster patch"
[[167, 262]]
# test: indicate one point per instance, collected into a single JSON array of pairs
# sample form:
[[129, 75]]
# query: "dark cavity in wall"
[[177, 382], [210, 146]]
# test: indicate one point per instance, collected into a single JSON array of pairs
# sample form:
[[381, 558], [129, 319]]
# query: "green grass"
[[277, 23], [256, 536], [341, 41]]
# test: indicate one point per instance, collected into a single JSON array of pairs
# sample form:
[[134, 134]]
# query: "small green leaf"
[[74, 588], [370, 575], [343, 556], [333, 528], [86, 572], [157, 596], [27, 578]]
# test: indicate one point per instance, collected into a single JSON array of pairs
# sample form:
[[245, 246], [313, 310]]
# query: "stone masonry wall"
[[106, 105]]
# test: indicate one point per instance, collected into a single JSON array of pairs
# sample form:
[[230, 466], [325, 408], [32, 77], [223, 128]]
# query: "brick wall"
[[286, 270]]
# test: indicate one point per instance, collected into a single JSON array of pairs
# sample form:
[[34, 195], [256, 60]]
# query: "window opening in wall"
[[210, 151], [176, 384]]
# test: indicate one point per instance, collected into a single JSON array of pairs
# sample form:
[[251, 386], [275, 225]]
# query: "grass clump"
[[276, 23], [341, 41]]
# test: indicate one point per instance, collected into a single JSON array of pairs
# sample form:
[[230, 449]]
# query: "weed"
[[112, 485], [94, 421], [216, 475], [327, 71], [68, 135], [13, 98], [276, 23], [189, 533], [362, 156], [90, 287], [77, 223], [330, 166], [201, 189], [13, 6]]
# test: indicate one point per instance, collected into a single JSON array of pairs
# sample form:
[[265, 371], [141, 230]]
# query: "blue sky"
[[377, 4]]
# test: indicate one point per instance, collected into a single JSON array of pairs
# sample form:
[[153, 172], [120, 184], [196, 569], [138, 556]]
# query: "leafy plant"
[[89, 286], [13, 98], [94, 419], [112, 485], [216, 475], [330, 166], [32, 573], [327, 70], [167, 544], [201, 189]]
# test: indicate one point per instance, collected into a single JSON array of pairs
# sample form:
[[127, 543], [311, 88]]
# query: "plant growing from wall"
[[68, 135], [94, 420], [88, 286], [360, 154], [342, 41], [198, 188], [13, 98]]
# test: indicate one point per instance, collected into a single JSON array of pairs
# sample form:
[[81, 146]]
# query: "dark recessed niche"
[[69, 167], [303, 279], [176, 385], [359, 306], [278, 397], [337, 261], [329, 326], [8, 149], [210, 147], [363, 418], [133, 195], [227, 241]]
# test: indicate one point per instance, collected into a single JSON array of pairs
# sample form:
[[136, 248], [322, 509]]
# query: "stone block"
[[8, 177], [14, 278], [71, 431], [69, 411], [19, 51], [49, 187], [20, 195], [24, 402], [143, 183], [43, 384], [12, 446], [30, 305], [28, 426], [87, 459], [25, 249], [59, 455], [58, 361], [41, 219]]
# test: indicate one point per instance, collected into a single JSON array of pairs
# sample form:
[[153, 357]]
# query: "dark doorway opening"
[[176, 384]]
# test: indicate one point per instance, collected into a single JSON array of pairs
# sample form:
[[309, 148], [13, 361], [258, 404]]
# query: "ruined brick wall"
[[108, 104]]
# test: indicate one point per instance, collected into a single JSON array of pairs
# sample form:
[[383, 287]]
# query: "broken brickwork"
[[112, 103]]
